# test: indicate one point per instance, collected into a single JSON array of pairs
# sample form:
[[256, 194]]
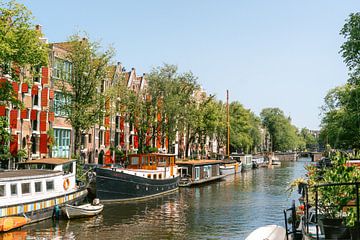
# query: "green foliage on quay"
[[283, 134], [341, 111]]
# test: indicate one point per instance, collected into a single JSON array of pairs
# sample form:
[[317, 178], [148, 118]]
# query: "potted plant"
[[333, 200]]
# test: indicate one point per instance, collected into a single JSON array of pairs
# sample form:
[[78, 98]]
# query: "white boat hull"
[[86, 210], [269, 232]]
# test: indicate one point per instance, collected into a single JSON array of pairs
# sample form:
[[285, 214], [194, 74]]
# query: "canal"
[[228, 209]]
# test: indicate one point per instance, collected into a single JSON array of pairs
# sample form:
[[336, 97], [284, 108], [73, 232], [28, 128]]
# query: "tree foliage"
[[244, 129], [283, 134], [83, 88], [341, 111], [19, 41], [20, 50]]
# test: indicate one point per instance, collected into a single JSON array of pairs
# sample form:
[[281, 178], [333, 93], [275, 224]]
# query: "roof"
[[198, 162], [52, 161], [63, 45], [27, 173]]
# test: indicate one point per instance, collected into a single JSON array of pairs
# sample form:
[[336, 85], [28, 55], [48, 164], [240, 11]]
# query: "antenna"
[[228, 124]]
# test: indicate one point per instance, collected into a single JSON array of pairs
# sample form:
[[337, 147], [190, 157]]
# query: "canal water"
[[227, 209]]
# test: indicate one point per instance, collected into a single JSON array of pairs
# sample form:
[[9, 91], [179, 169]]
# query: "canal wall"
[[316, 156], [289, 157]]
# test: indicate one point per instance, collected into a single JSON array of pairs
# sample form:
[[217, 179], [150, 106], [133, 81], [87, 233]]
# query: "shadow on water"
[[227, 209]]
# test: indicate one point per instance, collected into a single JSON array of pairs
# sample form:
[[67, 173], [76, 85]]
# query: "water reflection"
[[227, 209]]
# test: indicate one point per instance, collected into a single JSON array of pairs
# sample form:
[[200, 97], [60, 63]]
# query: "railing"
[[307, 206], [291, 232]]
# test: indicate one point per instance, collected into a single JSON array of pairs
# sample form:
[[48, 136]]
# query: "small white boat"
[[86, 210], [269, 232]]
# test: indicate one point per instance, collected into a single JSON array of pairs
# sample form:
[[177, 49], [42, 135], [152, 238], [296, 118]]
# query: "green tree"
[[310, 141], [20, 49], [244, 129], [341, 111], [171, 94], [83, 88], [284, 136]]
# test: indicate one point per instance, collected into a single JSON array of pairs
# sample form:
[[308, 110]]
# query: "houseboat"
[[194, 172], [37, 187], [144, 176], [230, 166], [245, 159]]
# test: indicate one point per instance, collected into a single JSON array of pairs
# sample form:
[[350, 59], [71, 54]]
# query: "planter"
[[334, 229]]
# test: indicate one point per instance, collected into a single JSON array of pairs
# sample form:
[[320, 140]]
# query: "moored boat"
[[85, 210], [269, 232], [195, 172], [34, 190], [245, 159], [146, 175], [229, 167]]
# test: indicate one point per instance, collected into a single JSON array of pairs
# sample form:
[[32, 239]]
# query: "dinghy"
[[86, 210], [269, 232]]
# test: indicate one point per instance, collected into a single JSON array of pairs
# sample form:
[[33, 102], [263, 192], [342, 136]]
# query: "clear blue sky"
[[276, 53]]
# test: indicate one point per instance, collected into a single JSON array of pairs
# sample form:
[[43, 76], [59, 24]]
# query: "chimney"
[[38, 28]]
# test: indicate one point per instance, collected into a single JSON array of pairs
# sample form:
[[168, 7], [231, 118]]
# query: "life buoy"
[[66, 184]]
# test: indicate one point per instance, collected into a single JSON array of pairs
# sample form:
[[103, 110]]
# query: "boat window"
[[67, 168], [37, 186], [134, 160], [197, 173], [25, 188], [49, 185], [13, 188], [2, 190]]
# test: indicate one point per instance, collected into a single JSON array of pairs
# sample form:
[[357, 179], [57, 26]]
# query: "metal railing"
[[293, 231], [307, 206]]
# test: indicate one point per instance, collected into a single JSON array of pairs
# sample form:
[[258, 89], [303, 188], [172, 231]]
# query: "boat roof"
[[152, 154], [26, 173], [51, 161], [198, 162]]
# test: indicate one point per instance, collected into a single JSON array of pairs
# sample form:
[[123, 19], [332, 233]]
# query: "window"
[[36, 74], [35, 100], [13, 189], [62, 143], [117, 122], [197, 173], [49, 185], [38, 187], [90, 137], [59, 103], [67, 168], [100, 138], [2, 190], [62, 69], [134, 160], [25, 188], [116, 139], [35, 123]]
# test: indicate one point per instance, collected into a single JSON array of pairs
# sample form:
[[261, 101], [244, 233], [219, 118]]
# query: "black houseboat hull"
[[122, 187]]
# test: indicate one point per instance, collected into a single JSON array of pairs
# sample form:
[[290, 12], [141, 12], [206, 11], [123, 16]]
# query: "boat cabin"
[[150, 161], [37, 179], [197, 170]]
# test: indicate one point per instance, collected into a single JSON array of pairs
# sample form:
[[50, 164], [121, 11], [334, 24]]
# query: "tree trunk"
[[77, 143]]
